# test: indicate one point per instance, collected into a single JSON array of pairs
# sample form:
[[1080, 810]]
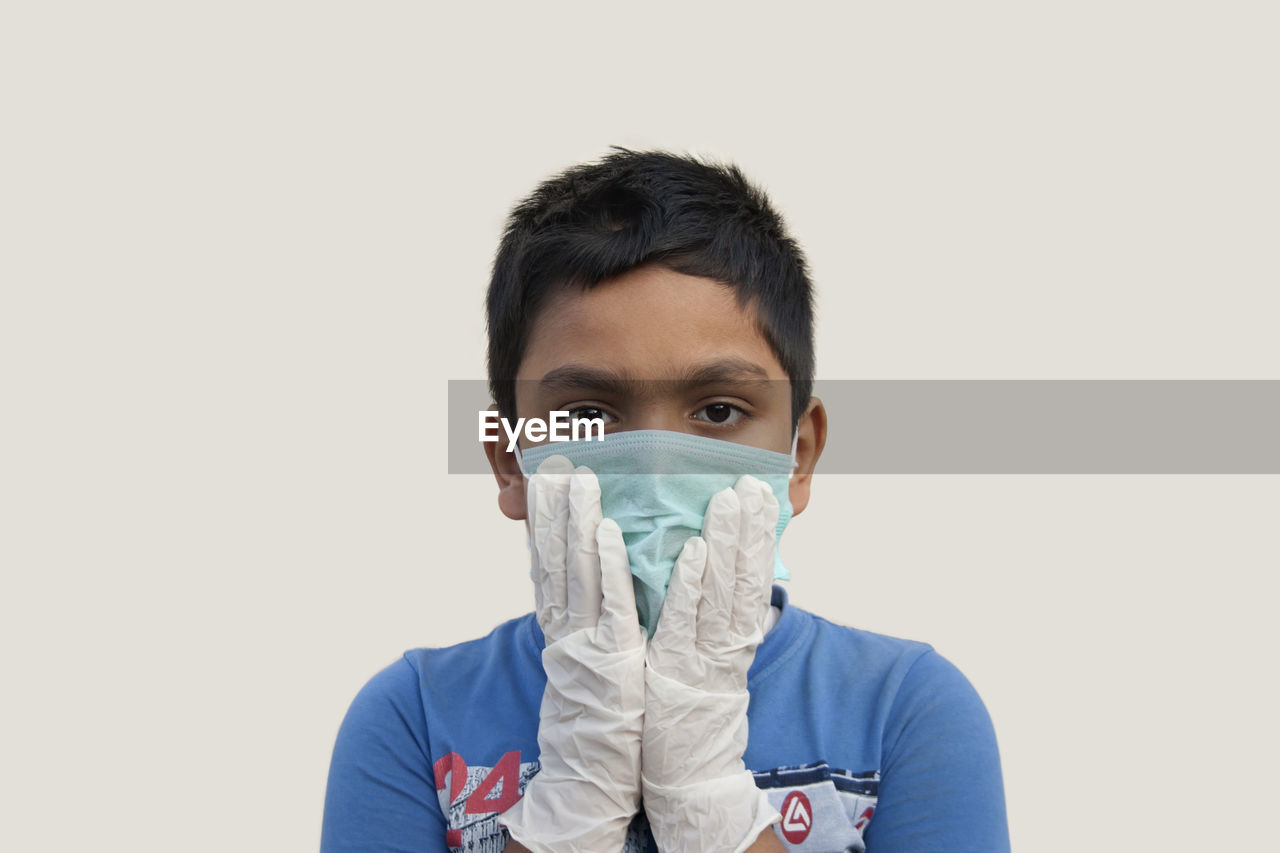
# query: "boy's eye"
[[719, 413], [590, 413]]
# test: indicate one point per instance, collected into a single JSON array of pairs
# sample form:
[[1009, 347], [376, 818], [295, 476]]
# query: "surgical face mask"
[[656, 485]]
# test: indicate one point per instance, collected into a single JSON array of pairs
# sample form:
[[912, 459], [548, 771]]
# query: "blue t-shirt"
[[863, 742]]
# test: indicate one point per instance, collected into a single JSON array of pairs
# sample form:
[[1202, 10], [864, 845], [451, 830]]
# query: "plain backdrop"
[[243, 247]]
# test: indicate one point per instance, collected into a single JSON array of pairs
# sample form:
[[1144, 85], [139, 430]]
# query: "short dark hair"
[[598, 220]]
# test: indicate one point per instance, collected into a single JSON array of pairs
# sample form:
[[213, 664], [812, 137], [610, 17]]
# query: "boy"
[[662, 696]]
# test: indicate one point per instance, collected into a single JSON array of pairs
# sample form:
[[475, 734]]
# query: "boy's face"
[[658, 349]]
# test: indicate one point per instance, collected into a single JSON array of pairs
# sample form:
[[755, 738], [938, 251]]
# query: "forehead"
[[649, 323]]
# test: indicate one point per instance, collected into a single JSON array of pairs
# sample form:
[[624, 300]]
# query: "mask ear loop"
[[795, 442], [520, 460]]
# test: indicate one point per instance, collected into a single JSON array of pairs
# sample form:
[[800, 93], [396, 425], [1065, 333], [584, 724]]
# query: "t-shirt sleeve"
[[941, 787], [381, 792]]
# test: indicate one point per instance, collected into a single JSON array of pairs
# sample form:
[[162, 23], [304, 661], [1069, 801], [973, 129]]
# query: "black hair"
[[598, 220]]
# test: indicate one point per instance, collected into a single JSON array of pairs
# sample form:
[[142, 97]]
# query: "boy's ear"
[[506, 470], [812, 437]]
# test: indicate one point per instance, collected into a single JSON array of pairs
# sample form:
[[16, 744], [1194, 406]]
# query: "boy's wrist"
[[723, 815], [567, 815]]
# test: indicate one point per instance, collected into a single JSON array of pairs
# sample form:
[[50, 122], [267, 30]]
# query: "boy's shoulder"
[[512, 643], [820, 660], [801, 639]]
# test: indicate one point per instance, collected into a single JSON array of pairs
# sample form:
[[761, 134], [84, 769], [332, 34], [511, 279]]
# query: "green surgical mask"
[[656, 485]]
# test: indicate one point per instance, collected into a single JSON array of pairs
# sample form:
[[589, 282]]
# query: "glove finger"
[[582, 563], [756, 548], [720, 529], [550, 516], [539, 597], [537, 571], [619, 622], [677, 624]]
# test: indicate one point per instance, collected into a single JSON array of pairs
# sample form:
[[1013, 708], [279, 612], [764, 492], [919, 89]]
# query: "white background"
[[243, 246]]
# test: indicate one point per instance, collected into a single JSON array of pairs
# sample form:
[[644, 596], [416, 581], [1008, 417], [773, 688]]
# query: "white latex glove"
[[698, 794], [588, 788]]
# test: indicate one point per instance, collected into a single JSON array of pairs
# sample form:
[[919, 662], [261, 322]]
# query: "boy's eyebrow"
[[576, 376], [734, 371], [728, 370]]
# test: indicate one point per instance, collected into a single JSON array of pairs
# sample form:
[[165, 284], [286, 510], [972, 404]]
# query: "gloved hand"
[[588, 788], [698, 794]]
